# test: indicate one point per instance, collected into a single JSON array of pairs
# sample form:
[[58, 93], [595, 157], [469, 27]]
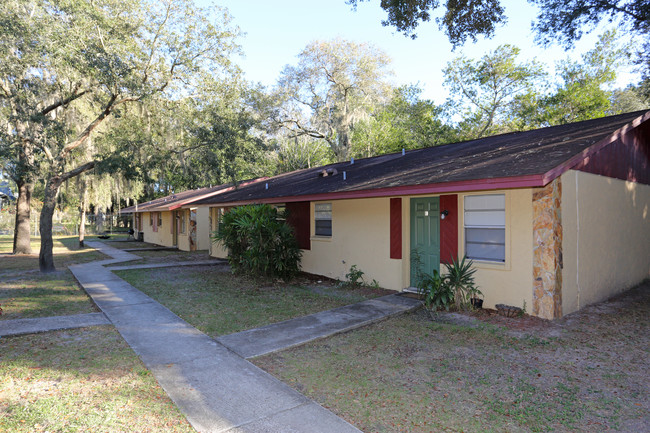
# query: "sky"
[[276, 31]]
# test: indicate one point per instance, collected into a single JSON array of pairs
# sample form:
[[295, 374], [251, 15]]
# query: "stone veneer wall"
[[547, 251]]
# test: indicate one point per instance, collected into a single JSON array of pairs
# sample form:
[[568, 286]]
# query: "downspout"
[[577, 240]]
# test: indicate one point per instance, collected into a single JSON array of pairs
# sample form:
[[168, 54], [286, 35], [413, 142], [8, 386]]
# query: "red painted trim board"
[[395, 228]]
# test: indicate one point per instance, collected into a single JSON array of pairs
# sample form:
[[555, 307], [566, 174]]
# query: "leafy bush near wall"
[[456, 287], [259, 241]]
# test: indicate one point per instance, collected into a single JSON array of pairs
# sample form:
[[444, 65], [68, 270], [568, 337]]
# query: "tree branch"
[[90, 128], [77, 171], [154, 43], [62, 102]]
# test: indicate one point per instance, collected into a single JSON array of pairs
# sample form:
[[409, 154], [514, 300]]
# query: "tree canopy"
[[485, 91], [563, 21], [334, 84], [462, 19], [71, 66]]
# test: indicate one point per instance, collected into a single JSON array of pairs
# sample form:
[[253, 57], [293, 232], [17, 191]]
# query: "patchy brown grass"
[[66, 252], [584, 373], [79, 381], [26, 293]]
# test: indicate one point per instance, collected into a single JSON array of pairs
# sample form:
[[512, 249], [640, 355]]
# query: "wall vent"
[[327, 172]]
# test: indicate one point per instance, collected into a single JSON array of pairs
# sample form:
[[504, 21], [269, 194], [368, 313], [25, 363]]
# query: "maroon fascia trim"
[[395, 228], [578, 160], [434, 188]]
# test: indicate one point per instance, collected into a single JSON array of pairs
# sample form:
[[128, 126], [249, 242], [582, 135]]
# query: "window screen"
[[323, 219], [485, 227]]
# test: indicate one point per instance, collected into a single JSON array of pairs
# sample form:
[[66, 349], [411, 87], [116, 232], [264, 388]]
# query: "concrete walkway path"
[[46, 324], [216, 389], [278, 336], [167, 265], [210, 381]]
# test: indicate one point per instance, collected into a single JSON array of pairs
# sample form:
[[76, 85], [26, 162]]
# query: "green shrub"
[[354, 278], [455, 287], [435, 291], [460, 278], [259, 241]]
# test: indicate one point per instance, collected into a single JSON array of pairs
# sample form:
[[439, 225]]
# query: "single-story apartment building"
[[165, 222], [553, 219]]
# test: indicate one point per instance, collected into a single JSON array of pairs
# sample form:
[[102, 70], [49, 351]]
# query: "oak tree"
[[334, 84], [72, 62], [484, 91], [461, 19]]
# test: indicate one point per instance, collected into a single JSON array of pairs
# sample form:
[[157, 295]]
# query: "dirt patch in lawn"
[[479, 372]]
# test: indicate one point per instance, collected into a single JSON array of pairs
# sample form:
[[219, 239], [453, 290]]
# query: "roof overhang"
[[594, 148], [187, 203], [436, 188]]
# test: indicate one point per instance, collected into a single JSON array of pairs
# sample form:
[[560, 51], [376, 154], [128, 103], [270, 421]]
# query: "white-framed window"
[[485, 227], [323, 219]]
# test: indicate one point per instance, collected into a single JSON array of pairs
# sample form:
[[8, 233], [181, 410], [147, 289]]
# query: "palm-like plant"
[[460, 278], [259, 241]]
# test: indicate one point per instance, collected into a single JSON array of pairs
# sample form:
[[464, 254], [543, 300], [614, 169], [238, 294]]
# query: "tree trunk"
[[45, 257], [22, 236], [82, 216]]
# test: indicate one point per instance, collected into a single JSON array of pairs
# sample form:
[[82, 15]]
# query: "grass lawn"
[[66, 252], [26, 293], [84, 380], [219, 303], [584, 373], [125, 244], [164, 256]]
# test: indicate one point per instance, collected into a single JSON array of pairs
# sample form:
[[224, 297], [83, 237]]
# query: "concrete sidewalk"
[[216, 389], [278, 336], [168, 265], [46, 324]]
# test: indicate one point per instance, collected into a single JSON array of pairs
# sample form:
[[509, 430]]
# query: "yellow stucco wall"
[[509, 283], [361, 237], [216, 249], [203, 228], [606, 243], [163, 236], [183, 241]]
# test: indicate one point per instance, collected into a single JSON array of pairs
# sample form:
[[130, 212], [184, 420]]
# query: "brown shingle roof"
[[516, 159], [176, 200]]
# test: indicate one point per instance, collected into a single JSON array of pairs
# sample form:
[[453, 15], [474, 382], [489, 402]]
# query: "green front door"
[[425, 236]]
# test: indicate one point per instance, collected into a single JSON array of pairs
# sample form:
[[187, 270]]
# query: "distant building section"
[[6, 196]]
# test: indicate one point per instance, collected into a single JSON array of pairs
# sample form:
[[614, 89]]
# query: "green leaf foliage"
[[405, 122], [462, 19], [460, 279], [485, 91], [436, 293], [456, 287], [259, 241]]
